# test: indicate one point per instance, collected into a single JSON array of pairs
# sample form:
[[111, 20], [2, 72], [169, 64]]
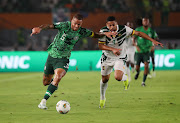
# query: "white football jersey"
[[130, 46], [118, 41]]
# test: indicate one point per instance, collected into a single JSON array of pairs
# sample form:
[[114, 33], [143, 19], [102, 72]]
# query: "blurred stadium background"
[[18, 18], [20, 92]]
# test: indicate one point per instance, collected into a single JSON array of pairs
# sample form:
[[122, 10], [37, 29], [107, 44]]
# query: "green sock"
[[144, 77], [50, 90]]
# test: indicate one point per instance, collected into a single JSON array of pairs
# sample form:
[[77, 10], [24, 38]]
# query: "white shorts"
[[108, 65], [130, 57]]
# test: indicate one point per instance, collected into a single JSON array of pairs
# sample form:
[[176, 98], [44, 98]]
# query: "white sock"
[[43, 101], [103, 87], [124, 78], [128, 72], [132, 68]]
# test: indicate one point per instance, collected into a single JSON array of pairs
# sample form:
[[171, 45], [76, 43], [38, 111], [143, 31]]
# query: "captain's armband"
[[101, 42]]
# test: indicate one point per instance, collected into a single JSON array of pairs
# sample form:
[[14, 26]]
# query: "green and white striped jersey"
[[119, 41]]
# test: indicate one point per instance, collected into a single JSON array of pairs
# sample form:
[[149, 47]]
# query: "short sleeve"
[[155, 35], [86, 32], [137, 29], [103, 39], [60, 25], [129, 31]]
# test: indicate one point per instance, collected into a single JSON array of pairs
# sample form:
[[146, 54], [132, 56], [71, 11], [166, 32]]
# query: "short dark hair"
[[111, 18], [78, 16], [146, 17]]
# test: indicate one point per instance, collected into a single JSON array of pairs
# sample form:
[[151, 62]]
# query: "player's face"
[[75, 24], [112, 25], [145, 22]]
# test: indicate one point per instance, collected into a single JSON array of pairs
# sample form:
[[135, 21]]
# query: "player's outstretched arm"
[[37, 30], [108, 34], [143, 35], [105, 47], [134, 43]]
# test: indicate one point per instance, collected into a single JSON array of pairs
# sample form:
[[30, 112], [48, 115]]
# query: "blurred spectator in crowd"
[[147, 8], [169, 46], [175, 45], [165, 12], [20, 37]]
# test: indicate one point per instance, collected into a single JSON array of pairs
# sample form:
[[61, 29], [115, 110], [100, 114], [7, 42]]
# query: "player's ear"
[[116, 23], [106, 24]]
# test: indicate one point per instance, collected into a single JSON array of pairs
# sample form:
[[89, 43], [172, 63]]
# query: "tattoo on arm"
[[47, 26], [98, 35]]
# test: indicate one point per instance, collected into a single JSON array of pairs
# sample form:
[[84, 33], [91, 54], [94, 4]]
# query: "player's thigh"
[[48, 68], [60, 68], [106, 70], [146, 57], [59, 74], [120, 67], [131, 58], [62, 63]]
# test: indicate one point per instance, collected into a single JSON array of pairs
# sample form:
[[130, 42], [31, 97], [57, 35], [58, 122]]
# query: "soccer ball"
[[63, 107]]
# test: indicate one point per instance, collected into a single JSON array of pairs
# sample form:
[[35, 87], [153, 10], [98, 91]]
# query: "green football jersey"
[[65, 39], [144, 44]]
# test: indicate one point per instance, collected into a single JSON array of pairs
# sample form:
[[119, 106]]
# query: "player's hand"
[[117, 52], [110, 34], [157, 43], [35, 30], [138, 49]]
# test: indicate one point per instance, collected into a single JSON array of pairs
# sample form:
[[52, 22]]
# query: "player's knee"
[[105, 80], [58, 78], [146, 66], [46, 82], [118, 78]]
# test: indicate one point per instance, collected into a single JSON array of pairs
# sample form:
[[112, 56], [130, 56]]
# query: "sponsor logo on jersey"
[[76, 37], [103, 67], [67, 66]]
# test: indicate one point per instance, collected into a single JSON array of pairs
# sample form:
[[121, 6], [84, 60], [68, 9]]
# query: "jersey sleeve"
[[86, 32], [129, 31], [155, 35], [103, 39], [60, 25], [137, 29]]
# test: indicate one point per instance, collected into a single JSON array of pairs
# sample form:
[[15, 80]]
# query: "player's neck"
[[145, 27]]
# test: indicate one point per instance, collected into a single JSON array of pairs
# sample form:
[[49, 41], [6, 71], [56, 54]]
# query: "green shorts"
[[54, 63], [141, 57], [151, 54]]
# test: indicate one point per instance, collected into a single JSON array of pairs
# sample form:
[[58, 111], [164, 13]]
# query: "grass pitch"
[[158, 102]]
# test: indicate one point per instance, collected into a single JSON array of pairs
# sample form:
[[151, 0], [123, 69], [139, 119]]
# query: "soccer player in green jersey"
[[143, 48], [115, 54], [152, 56], [60, 49]]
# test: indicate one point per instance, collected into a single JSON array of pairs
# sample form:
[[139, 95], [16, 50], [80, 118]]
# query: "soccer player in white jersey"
[[114, 54], [130, 53]]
